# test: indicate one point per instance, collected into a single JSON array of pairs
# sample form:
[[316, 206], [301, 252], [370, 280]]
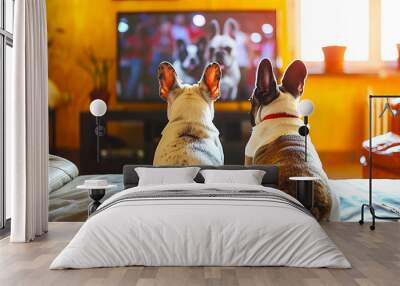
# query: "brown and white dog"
[[190, 137], [275, 139]]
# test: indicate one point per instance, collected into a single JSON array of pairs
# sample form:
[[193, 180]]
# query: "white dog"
[[190, 137], [190, 60], [222, 49]]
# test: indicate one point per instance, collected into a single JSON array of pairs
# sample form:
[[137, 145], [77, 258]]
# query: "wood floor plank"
[[375, 257]]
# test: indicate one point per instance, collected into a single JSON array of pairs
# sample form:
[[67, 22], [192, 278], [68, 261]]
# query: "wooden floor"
[[375, 257]]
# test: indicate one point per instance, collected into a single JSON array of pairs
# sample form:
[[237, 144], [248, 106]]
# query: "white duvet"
[[188, 231]]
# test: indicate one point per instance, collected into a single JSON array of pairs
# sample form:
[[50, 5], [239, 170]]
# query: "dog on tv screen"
[[190, 41]]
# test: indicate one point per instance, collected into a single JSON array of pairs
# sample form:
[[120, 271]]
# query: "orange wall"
[[91, 23], [338, 123]]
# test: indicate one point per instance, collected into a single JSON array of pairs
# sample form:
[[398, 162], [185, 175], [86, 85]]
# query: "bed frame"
[[270, 179]]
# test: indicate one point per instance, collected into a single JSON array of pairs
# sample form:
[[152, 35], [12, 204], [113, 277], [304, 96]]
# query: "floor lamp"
[[305, 108], [98, 108]]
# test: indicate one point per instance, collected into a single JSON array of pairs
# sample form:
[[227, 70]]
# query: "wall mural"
[[205, 87]]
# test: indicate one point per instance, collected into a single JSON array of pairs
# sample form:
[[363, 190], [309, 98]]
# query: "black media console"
[[132, 137]]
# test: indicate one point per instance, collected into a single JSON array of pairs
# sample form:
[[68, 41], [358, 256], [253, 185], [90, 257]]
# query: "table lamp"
[[98, 108], [305, 108]]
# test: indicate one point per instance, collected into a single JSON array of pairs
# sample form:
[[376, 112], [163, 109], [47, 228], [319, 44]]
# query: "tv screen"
[[190, 40]]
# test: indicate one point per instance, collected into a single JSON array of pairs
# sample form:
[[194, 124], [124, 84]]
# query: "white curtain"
[[27, 124]]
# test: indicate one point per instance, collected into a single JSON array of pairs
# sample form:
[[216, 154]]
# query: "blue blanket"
[[353, 193]]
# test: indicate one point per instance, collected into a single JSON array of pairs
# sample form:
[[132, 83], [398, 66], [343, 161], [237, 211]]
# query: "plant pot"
[[334, 58], [398, 56], [100, 93]]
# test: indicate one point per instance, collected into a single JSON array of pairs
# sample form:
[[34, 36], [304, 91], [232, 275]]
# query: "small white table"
[[305, 190], [96, 193]]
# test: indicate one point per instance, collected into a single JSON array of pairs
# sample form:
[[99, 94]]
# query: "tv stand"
[[132, 138]]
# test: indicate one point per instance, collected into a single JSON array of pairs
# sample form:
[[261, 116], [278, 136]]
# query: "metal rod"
[[305, 136], [384, 96], [370, 150], [305, 155], [98, 139]]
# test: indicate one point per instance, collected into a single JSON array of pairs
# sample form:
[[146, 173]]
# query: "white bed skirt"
[[200, 232]]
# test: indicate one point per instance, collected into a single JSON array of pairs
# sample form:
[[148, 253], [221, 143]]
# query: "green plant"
[[98, 68]]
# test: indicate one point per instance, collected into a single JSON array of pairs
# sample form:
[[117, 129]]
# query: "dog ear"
[[214, 29], [266, 87], [265, 81], [294, 77], [181, 49], [167, 78], [231, 27], [201, 46], [181, 45], [211, 77]]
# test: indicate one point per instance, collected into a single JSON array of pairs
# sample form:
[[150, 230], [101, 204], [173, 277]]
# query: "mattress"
[[71, 204], [198, 225], [352, 193]]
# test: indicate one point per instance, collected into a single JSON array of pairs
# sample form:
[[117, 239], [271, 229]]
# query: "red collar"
[[279, 115]]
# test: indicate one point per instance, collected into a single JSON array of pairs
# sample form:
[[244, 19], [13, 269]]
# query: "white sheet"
[[200, 231]]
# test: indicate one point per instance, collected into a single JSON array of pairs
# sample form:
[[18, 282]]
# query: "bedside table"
[[305, 190], [96, 193]]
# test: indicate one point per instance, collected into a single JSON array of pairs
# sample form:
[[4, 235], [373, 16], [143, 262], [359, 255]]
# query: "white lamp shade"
[[305, 107], [98, 107]]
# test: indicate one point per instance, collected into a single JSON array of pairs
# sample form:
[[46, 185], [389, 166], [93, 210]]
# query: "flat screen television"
[[188, 41]]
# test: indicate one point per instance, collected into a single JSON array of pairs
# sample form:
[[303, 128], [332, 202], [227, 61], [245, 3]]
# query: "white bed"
[[250, 225]]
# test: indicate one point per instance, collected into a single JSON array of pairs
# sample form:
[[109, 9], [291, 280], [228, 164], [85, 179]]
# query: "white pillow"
[[164, 176], [248, 177]]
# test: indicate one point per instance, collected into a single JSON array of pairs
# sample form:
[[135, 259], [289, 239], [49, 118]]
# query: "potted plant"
[[334, 58], [98, 68]]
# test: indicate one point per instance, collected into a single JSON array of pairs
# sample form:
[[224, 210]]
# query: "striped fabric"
[[61, 172]]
